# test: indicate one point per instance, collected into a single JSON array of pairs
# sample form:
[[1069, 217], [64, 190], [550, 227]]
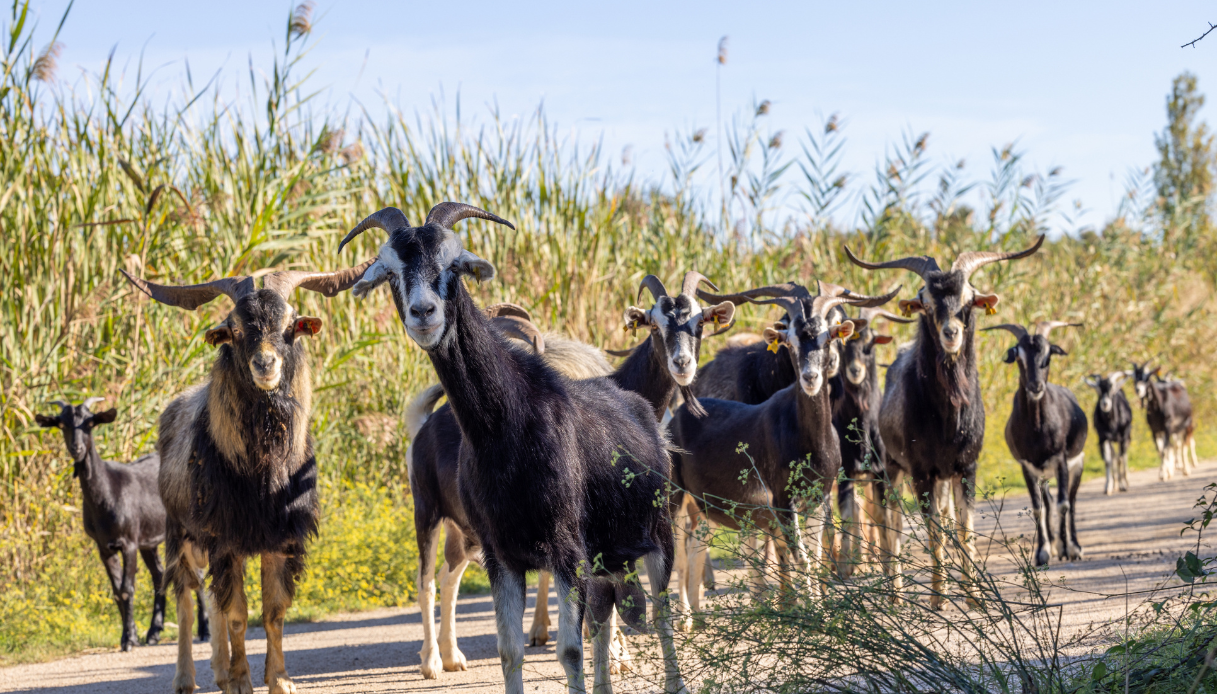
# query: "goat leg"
[[963, 489], [228, 591], [659, 567], [450, 586], [507, 591], [152, 560], [427, 533], [278, 586]]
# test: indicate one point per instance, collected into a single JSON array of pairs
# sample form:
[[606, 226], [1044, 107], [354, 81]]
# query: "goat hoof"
[[1042, 556], [183, 685], [973, 604], [153, 637], [1075, 553], [282, 686], [538, 635], [240, 685], [455, 662], [431, 665]]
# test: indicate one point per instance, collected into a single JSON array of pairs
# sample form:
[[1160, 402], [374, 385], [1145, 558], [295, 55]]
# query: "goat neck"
[[94, 474], [471, 362], [645, 372], [953, 383]]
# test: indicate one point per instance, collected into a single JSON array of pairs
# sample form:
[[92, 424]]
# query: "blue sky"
[[1078, 85]]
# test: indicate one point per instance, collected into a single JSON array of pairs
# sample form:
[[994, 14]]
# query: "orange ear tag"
[[773, 346]]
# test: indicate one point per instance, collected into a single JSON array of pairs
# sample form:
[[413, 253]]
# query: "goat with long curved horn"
[[329, 284], [655, 285], [193, 296], [872, 313], [693, 278], [1044, 327], [507, 309], [971, 261], [1018, 331], [921, 264], [520, 328]]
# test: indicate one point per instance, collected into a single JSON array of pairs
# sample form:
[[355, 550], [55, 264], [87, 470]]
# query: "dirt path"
[[1130, 539]]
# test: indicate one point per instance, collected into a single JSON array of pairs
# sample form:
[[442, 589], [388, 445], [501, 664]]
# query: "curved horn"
[[1018, 331], [792, 305], [61, 403], [192, 296], [514, 326], [692, 279], [90, 402], [823, 304], [654, 284], [871, 314], [446, 214], [327, 283], [623, 352], [507, 309], [1045, 326], [791, 289], [920, 264], [390, 219], [970, 261], [1115, 377]]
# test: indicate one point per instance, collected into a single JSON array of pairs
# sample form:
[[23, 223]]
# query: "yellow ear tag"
[[905, 311], [990, 310], [773, 346]]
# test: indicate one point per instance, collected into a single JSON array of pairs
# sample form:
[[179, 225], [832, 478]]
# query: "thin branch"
[[1193, 43]]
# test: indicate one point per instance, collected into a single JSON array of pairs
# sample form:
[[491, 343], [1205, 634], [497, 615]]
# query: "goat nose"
[[263, 362], [682, 361], [422, 310]]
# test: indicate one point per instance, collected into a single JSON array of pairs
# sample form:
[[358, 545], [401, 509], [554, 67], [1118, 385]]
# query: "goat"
[[1168, 411], [749, 371], [1113, 424], [238, 477], [1046, 434], [122, 514], [932, 419], [790, 433], [529, 433], [855, 415]]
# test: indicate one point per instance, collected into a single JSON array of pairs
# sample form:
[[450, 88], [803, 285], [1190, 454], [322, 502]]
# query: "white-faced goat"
[[1046, 434], [1113, 424], [238, 477], [529, 433], [1168, 411], [932, 419], [122, 514], [856, 399], [790, 433]]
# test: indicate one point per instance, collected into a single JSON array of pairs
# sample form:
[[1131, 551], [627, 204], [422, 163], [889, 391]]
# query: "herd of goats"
[[546, 458]]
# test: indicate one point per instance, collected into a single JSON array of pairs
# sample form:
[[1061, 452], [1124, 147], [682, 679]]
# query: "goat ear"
[[105, 417], [1011, 355], [986, 301], [373, 277], [469, 264], [1093, 381], [720, 314], [636, 317], [908, 308], [218, 335], [843, 330], [307, 325], [1054, 349], [883, 339], [48, 422], [775, 338]]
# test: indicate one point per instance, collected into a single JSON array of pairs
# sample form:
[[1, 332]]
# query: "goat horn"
[[61, 403], [90, 402], [446, 214], [654, 284], [328, 283], [692, 279], [872, 313], [920, 264], [514, 326], [1045, 326], [1116, 376], [1018, 331], [971, 261], [792, 305], [507, 309], [622, 352], [193, 296], [390, 219], [789, 289], [821, 305]]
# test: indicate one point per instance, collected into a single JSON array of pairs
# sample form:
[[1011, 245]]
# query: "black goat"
[[932, 419], [238, 477], [790, 433], [1046, 434], [855, 415], [751, 372], [1168, 411], [528, 433], [1113, 424], [122, 513]]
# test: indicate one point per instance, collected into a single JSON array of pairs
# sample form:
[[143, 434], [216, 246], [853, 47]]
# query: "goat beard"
[[953, 377], [859, 394]]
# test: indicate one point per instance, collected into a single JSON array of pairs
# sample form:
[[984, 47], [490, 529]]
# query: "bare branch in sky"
[[1193, 43]]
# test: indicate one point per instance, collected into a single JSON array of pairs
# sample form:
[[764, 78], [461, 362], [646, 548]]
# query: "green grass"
[[95, 178]]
